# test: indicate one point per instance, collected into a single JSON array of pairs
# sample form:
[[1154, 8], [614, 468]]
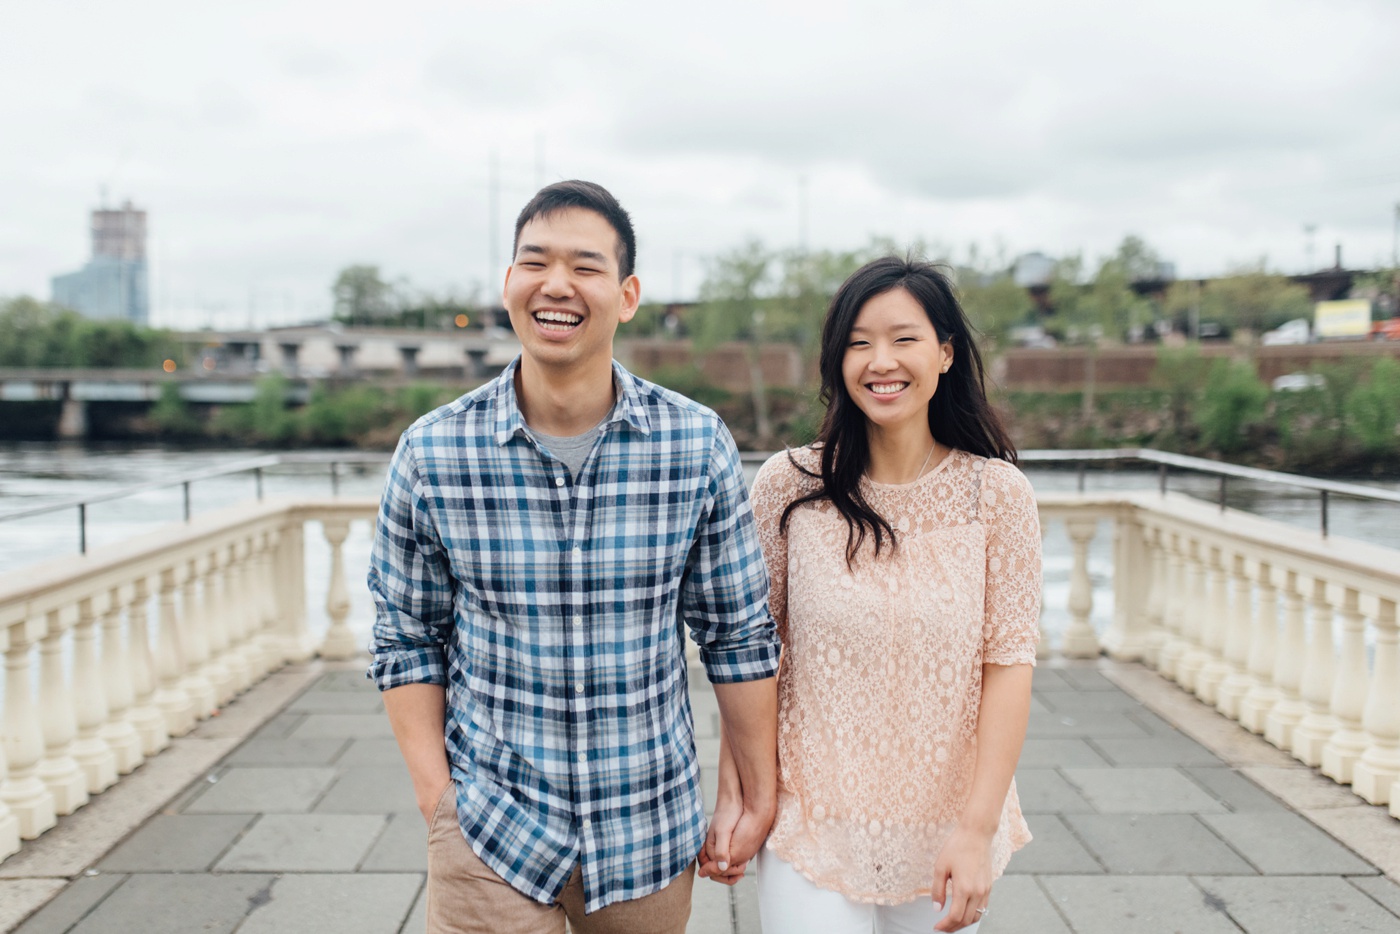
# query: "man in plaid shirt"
[[540, 542]]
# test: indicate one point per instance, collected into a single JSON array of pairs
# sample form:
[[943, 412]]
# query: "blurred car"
[[1386, 330], [1297, 331], [1295, 382]]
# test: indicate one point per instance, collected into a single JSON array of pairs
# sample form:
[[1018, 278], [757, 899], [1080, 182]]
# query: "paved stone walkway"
[[310, 826]]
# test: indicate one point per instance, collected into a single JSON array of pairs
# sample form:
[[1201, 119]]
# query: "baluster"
[[1288, 668], [217, 671], [234, 658], [173, 702], [1238, 682], [1080, 640], [1263, 647], [340, 641], [1348, 694], [246, 607], [1215, 628], [58, 769], [1173, 610], [90, 750], [1156, 594], [1194, 656], [28, 798], [117, 732], [1378, 768], [1319, 674], [194, 637], [1042, 647], [9, 823], [143, 715], [291, 591], [270, 637], [1124, 638]]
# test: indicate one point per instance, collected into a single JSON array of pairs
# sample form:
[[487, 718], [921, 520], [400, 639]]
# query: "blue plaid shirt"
[[550, 608]]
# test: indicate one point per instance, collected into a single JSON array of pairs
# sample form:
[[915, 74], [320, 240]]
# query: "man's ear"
[[631, 298], [505, 284]]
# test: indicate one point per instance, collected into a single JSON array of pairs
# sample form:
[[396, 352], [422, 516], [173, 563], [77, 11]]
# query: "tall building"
[[113, 284]]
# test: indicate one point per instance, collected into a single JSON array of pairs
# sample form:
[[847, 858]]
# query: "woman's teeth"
[[886, 389]]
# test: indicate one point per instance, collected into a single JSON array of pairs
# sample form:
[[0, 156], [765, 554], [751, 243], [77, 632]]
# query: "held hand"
[[962, 878], [737, 831]]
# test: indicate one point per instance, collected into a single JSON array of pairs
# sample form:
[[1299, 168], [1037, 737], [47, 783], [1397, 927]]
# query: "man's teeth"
[[557, 320], [885, 389]]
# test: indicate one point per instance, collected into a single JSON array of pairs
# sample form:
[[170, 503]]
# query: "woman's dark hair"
[[959, 414], [591, 197]]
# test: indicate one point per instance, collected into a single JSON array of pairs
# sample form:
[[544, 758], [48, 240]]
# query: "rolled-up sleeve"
[[725, 596], [410, 583]]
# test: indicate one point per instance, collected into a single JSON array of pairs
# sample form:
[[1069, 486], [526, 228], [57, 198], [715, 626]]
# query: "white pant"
[[788, 903]]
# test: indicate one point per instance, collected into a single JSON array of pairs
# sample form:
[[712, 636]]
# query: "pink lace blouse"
[[882, 666]]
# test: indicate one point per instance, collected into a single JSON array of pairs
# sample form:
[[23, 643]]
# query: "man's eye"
[[531, 264], [586, 269]]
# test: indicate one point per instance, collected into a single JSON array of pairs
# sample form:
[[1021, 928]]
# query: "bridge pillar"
[[409, 352], [476, 363], [72, 419]]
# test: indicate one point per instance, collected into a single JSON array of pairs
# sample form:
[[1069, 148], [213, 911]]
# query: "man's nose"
[[557, 282]]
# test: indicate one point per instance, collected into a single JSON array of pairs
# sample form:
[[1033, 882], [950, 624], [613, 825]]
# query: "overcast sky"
[[275, 142]]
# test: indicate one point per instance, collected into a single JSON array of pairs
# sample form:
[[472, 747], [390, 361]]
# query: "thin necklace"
[[925, 465]]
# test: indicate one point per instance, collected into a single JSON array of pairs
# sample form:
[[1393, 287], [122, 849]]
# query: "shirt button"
[[578, 552], [583, 757], [587, 823], [578, 620], [558, 481], [578, 688]]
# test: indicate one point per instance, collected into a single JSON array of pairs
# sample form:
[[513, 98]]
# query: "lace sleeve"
[[1011, 629], [773, 488]]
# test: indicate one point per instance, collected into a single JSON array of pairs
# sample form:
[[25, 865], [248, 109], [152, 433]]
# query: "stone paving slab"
[[363, 903], [1072, 701], [373, 751], [1045, 791], [417, 922], [1169, 750], [1156, 844], [177, 843], [1093, 723], [1383, 890], [279, 752], [347, 726], [304, 843], [1019, 906], [176, 904], [68, 908], [402, 847], [1286, 844], [1298, 905], [1137, 905], [370, 789], [1053, 849], [1233, 790], [337, 702], [1141, 791], [1039, 753], [262, 790]]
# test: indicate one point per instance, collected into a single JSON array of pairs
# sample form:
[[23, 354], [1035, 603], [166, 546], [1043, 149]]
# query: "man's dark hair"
[[591, 197]]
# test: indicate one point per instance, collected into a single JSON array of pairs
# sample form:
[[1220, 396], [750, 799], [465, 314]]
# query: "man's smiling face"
[[563, 292]]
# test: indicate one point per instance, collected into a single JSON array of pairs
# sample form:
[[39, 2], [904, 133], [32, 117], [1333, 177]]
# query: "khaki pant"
[[465, 896]]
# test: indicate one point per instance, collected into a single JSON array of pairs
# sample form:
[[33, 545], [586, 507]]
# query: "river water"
[[38, 473]]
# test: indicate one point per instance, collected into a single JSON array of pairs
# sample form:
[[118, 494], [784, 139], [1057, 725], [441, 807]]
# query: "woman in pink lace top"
[[904, 552]]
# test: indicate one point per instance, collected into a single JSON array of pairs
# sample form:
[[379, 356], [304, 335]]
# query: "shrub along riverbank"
[[1342, 421]]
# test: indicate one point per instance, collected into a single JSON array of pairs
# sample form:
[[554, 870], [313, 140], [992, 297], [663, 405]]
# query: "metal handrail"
[[1081, 458]]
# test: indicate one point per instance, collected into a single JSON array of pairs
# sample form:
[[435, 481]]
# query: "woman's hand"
[[962, 877], [713, 862]]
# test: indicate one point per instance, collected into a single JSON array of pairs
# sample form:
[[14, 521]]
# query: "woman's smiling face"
[[893, 360]]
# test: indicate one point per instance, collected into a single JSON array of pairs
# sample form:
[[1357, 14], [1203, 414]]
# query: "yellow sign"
[[1351, 318]]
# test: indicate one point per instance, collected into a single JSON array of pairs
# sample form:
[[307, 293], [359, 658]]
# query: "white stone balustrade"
[[111, 654], [1237, 608]]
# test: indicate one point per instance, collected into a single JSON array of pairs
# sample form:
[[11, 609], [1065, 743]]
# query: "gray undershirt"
[[572, 450]]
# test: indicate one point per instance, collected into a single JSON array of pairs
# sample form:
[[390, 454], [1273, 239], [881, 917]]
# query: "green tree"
[[171, 414], [1234, 399], [361, 296], [733, 300], [1180, 372], [1373, 407], [1250, 297], [995, 304]]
